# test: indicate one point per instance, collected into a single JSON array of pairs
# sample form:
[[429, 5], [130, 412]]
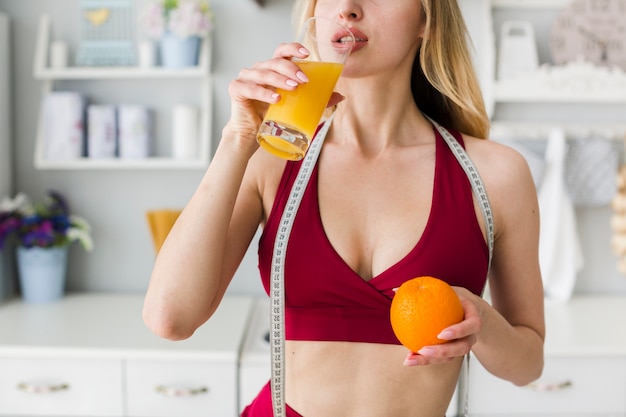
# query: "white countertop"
[[90, 324], [586, 325], [107, 324]]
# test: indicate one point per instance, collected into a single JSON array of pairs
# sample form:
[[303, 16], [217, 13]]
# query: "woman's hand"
[[461, 336], [255, 88]]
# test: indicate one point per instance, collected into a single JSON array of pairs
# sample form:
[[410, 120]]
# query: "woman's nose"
[[350, 11]]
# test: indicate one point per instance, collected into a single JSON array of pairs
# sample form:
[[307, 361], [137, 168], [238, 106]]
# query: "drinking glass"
[[290, 124]]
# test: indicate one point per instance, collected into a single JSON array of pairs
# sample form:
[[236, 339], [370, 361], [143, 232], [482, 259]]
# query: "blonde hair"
[[444, 82]]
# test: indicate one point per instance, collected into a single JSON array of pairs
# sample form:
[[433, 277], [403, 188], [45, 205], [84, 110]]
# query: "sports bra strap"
[[476, 182]]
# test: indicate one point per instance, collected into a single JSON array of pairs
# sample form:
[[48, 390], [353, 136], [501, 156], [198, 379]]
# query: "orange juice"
[[290, 124]]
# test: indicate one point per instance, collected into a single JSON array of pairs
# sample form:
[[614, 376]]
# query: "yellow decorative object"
[[618, 219], [98, 17], [161, 222]]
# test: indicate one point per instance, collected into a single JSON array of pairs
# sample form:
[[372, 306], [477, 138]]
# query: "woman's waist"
[[364, 379]]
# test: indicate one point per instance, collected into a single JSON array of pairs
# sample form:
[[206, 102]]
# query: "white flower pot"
[[179, 52], [42, 273]]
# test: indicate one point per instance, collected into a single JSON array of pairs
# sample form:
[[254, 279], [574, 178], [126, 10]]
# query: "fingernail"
[[304, 51], [291, 83], [426, 351], [302, 76], [395, 289], [275, 96], [410, 362], [445, 335]]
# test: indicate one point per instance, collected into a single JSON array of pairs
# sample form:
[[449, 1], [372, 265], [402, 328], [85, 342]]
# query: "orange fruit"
[[421, 308]]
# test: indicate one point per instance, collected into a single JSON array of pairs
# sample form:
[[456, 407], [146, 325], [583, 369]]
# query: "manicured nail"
[[303, 51], [302, 76], [275, 96], [410, 362], [445, 335], [291, 83]]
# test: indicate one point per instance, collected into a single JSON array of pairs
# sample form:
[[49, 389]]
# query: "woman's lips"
[[359, 37]]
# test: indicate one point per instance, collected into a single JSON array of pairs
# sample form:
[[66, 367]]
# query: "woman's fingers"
[[460, 337], [291, 49], [261, 81]]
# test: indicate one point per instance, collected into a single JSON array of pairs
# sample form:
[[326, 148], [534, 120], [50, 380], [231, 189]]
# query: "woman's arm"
[[507, 335], [510, 344], [208, 241]]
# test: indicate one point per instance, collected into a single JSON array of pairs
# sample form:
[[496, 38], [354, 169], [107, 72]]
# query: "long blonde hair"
[[444, 82]]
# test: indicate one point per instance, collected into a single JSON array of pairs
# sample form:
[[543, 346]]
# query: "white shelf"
[[118, 164], [529, 4], [49, 76], [82, 73], [511, 93], [524, 130]]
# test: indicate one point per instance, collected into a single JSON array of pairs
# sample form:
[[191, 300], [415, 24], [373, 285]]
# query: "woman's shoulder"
[[506, 175], [496, 161]]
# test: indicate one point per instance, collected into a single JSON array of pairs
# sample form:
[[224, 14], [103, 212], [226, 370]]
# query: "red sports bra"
[[325, 300]]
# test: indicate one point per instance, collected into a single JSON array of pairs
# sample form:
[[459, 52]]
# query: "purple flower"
[[47, 224]]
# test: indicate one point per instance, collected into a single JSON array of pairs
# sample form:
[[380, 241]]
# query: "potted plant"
[[178, 26], [43, 233]]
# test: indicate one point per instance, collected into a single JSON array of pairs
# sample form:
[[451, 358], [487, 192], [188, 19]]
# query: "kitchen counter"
[[109, 324], [586, 325], [91, 355]]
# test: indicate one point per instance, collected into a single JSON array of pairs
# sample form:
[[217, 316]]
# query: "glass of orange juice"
[[290, 124]]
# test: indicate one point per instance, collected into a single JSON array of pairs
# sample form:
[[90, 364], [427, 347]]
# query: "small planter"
[[42, 273], [179, 52]]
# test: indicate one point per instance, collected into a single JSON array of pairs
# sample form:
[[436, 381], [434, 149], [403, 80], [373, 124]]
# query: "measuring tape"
[[277, 279], [277, 287]]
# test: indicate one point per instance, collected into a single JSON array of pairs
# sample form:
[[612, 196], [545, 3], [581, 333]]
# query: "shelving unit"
[[529, 4], [49, 76], [527, 91], [539, 89]]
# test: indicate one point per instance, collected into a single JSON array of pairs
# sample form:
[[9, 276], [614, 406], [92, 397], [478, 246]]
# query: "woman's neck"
[[378, 114]]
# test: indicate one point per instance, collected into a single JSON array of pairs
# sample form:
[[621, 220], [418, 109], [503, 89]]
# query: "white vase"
[[42, 273]]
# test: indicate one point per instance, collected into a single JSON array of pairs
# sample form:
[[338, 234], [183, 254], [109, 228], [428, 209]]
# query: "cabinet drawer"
[[190, 388], [67, 387], [569, 386]]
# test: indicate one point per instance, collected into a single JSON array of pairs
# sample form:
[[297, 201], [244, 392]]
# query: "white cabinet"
[[63, 385], [91, 355], [198, 76], [585, 367], [190, 388]]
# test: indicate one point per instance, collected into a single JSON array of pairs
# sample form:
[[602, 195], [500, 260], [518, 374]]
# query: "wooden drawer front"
[[67, 387], [569, 386], [160, 388]]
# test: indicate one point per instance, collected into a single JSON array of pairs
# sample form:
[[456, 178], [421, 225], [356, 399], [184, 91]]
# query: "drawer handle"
[[549, 386], [42, 388], [180, 392]]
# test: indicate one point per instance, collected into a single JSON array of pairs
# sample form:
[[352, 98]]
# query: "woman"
[[387, 202]]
